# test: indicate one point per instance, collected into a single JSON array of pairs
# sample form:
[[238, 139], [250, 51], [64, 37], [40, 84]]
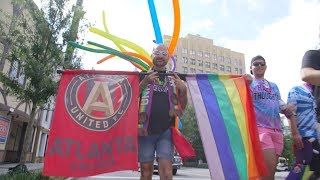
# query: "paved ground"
[[31, 166], [35, 166]]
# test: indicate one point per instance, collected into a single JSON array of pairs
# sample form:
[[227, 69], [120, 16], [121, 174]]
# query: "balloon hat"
[[140, 58]]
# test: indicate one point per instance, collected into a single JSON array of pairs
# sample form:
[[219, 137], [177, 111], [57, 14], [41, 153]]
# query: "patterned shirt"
[[266, 96], [303, 99]]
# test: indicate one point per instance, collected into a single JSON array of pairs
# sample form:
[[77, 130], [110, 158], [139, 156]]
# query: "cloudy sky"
[[279, 30]]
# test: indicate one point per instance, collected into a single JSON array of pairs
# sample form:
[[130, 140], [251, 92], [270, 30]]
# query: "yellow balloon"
[[107, 31], [122, 41]]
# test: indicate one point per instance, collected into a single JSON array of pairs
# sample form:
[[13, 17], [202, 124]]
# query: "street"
[[184, 173]]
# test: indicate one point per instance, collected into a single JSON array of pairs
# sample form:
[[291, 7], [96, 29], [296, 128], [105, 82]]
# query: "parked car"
[[282, 164], [176, 164]]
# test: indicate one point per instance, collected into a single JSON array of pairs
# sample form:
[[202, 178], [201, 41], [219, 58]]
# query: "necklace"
[[160, 82]]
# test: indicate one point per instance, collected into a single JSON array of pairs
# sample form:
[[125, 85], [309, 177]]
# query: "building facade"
[[196, 54], [14, 114]]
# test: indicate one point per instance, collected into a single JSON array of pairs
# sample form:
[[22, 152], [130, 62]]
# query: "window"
[[192, 70], [21, 78], [200, 71], [228, 68], [215, 65], [221, 59], [185, 69], [235, 61], [200, 53], [207, 55], [228, 60], [192, 52], [14, 70], [193, 61], [185, 60], [221, 67], [214, 57], [175, 57], [200, 63], [236, 70], [184, 51], [17, 73], [240, 71], [48, 110], [207, 64]]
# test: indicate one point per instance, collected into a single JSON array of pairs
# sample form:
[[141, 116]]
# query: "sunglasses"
[[158, 53], [255, 64]]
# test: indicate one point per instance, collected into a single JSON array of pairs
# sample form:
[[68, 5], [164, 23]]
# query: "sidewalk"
[[31, 166]]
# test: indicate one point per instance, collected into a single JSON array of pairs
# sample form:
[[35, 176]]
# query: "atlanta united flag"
[[94, 127]]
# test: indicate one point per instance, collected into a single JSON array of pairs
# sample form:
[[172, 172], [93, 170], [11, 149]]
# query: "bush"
[[18, 169], [28, 176]]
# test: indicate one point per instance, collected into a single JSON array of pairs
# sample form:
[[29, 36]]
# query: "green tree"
[[191, 131], [71, 60], [287, 149], [36, 47]]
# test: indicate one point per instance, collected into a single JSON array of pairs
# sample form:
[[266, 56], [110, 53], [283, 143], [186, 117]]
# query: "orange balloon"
[[176, 29], [130, 54]]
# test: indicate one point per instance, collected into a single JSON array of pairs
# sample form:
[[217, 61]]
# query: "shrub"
[[203, 165], [28, 176]]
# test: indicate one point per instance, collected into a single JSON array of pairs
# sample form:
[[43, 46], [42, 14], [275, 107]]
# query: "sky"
[[279, 30]]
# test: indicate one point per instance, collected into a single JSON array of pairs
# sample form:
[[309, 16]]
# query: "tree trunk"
[[28, 136], [36, 143]]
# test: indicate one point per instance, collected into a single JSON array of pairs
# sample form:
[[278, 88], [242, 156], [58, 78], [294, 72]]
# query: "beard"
[[159, 62]]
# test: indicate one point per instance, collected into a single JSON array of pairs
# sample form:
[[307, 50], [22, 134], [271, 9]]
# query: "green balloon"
[[108, 50]]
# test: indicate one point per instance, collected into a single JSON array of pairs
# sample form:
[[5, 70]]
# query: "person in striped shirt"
[[304, 128]]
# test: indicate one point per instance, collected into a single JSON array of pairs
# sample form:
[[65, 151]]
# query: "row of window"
[[214, 56], [221, 60], [215, 66], [206, 64]]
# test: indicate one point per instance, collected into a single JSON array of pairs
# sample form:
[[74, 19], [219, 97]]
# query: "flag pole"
[[142, 74]]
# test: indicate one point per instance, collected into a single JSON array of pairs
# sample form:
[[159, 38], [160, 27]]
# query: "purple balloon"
[[174, 62]]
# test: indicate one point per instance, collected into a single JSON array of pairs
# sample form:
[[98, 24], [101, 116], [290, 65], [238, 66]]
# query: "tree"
[[71, 59], [191, 131], [287, 149], [36, 47]]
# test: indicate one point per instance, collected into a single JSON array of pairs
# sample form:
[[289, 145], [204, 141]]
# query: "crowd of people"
[[164, 97]]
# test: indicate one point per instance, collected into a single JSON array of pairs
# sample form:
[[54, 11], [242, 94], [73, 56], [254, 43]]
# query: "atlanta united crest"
[[97, 102]]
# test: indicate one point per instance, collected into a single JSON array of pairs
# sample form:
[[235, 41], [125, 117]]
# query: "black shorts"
[[315, 162]]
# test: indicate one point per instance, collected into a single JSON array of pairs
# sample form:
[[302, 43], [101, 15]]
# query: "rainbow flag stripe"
[[226, 120]]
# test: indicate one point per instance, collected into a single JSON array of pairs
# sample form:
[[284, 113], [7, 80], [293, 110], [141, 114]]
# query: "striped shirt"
[[303, 99]]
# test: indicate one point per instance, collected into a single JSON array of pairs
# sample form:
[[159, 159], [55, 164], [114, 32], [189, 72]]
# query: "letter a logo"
[[99, 99]]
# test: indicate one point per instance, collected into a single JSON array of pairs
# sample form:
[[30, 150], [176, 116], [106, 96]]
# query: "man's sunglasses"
[[158, 53], [255, 64]]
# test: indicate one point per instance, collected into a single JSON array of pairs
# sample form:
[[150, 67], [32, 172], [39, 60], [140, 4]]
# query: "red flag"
[[181, 144], [94, 124]]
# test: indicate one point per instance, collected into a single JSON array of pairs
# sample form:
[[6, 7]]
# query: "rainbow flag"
[[227, 125]]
